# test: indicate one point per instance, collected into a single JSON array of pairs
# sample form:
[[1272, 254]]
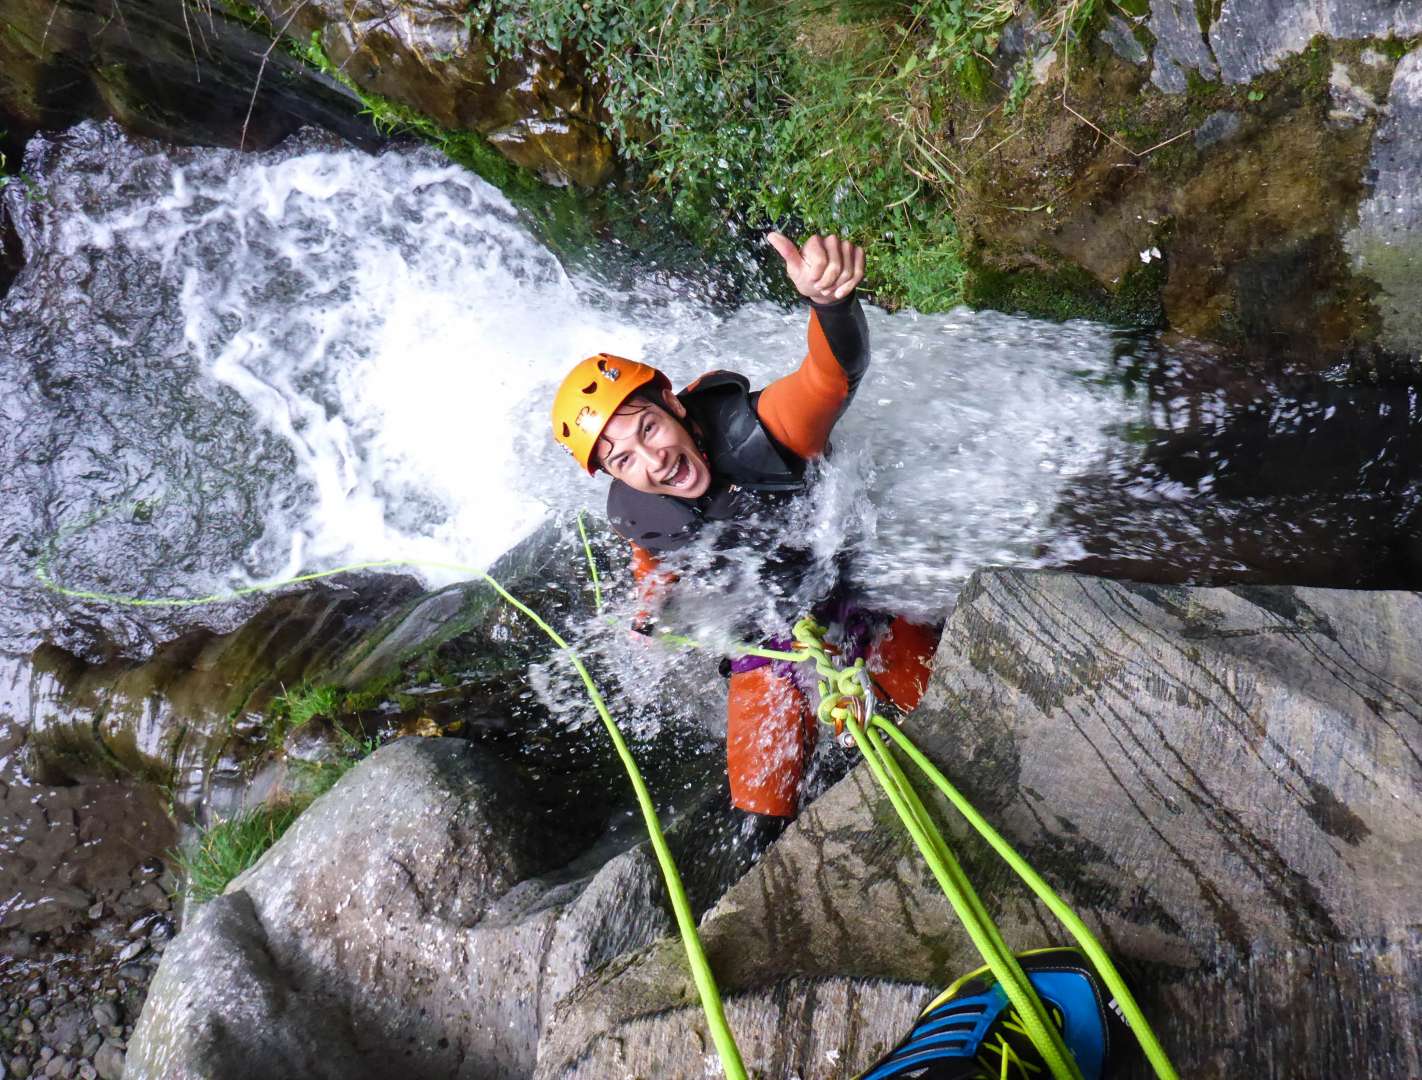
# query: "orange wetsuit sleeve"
[[800, 410], [652, 582]]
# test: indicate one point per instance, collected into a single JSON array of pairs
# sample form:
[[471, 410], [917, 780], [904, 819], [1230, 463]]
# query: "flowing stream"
[[219, 369], [224, 368]]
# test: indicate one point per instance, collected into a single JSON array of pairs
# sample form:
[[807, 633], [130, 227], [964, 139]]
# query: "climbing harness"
[[846, 703]]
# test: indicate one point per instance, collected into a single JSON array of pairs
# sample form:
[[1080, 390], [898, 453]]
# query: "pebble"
[[97, 911], [88, 1072], [19, 1067], [36, 987], [27, 1026], [56, 1066], [38, 1007], [91, 1045], [133, 972], [131, 950], [106, 1015], [46, 1052], [109, 1062]]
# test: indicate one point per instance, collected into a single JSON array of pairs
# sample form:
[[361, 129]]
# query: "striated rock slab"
[[397, 929], [1223, 782]]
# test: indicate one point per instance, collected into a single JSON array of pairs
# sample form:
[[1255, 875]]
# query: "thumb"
[[786, 248]]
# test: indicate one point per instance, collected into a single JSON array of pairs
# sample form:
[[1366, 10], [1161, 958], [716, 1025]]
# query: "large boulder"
[[420, 920], [1223, 782]]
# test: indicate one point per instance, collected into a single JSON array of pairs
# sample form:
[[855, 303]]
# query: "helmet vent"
[[567, 431], [591, 388]]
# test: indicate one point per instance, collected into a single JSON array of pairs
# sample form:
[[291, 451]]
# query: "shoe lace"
[[997, 1058]]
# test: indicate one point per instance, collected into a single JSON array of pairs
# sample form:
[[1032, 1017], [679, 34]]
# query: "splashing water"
[[314, 356]]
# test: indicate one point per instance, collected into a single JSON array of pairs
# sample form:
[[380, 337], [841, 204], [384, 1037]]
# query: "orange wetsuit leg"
[[767, 721], [901, 661]]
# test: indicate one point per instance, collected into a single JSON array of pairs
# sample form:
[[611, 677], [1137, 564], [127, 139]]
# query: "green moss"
[[1069, 293], [1395, 48]]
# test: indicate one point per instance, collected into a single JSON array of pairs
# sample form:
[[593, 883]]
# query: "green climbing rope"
[[843, 698], [701, 973], [592, 563], [839, 689]]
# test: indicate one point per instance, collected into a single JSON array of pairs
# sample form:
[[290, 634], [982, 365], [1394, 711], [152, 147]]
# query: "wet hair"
[[640, 398]]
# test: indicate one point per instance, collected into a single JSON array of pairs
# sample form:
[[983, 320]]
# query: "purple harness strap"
[[857, 632]]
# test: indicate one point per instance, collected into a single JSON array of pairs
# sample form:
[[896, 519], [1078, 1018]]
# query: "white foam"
[[392, 320]]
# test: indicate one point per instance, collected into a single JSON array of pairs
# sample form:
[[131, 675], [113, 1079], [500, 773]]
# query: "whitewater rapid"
[[314, 356]]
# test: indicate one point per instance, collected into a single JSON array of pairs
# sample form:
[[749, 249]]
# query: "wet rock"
[[109, 1061], [106, 1014], [1222, 782], [422, 865], [167, 719], [19, 1067], [1179, 45], [161, 72], [539, 110], [1251, 37], [1122, 38], [1386, 243]]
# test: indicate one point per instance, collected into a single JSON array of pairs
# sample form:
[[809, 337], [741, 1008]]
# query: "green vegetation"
[[224, 850], [736, 115], [825, 115]]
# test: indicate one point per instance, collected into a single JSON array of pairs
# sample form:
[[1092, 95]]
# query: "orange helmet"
[[589, 396]]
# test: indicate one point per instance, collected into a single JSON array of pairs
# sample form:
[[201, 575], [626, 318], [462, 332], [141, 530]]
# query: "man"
[[719, 452]]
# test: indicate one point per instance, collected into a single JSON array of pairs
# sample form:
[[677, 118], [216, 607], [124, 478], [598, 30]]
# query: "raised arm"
[[800, 409]]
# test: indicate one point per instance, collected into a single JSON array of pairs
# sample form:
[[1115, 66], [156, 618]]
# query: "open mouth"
[[681, 475]]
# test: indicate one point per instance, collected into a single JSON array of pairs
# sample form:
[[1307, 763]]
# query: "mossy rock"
[[1247, 192]]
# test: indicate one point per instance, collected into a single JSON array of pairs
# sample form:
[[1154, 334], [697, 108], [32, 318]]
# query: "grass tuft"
[[227, 848]]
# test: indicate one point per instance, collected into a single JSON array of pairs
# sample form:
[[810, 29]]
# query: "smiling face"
[[649, 449]]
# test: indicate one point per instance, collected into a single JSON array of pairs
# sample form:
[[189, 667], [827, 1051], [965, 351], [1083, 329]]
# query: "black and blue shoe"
[[972, 1032]]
